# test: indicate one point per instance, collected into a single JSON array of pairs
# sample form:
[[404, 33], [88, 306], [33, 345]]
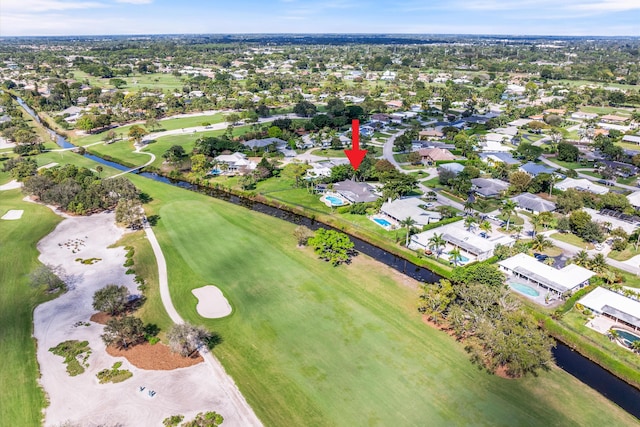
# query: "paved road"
[[245, 414], [387, 150]]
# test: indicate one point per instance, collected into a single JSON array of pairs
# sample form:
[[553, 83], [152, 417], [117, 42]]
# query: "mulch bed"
[[157, 357]]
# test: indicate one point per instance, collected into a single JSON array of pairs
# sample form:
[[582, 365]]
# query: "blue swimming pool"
[[383, 222], [335, 201], [626, 337], [524, 289], [461, 258]]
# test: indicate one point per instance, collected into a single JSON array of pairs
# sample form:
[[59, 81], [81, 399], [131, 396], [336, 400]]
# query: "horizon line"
[[506, 35]]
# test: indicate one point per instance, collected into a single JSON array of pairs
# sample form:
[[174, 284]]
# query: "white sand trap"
[[211, 302], [48, 165], [11, 185], [13, 214]]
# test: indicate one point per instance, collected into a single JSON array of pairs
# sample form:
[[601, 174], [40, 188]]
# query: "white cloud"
[[610, 5], [32, 6]]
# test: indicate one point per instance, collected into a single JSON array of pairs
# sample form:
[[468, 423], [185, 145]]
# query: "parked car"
[[540, 257], [599, 246]]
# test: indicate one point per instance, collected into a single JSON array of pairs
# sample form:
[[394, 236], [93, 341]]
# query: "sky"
[[510, 17]]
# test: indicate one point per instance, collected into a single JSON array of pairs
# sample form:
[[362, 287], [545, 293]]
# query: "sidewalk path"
[[244, 412]]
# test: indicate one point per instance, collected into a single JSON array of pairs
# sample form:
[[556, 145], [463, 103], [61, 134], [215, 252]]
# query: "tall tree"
[[508, 209], [408, 223]]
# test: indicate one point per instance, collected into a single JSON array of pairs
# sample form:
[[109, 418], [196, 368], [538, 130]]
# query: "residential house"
[[535, 169], [534, 204], [323, 168], [413, 207], [495, 158], [580, 115], [634, 199], [612, 118], [519, 123], [619, 308], [356, 191], [488, 187], [569, 279], [395, 104], [624, 170], [380, 118], [454, 235], [633, 139], [452, 167], [432, 155], [235, 163], [510, 131], [582, 185], [430, 134], [264, 143]]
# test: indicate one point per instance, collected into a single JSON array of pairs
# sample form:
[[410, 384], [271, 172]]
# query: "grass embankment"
[[629, 252], [310, 344], [22, 398], [145, 266]]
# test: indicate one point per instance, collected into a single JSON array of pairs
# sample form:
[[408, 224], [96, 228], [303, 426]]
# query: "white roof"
[[495, 146], [401, 209], [511, 131], [565, 279], [231, 158], [581, 184], [492, 136], [632, 138], [520, 122], [634, 198], [597, 299]]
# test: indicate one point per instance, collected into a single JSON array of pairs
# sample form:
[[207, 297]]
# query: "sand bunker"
[[211, 302], [13, 214], [11, 185]]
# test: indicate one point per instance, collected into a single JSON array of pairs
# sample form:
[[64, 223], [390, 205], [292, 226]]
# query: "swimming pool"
[[524, 289], [626, 337], [383, 222], [334, 200], [461, 258]]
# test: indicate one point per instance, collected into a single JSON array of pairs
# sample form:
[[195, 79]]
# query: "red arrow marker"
[[355, 155]]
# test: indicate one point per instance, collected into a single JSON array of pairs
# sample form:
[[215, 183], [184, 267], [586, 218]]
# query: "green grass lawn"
[[122, 151], [572, 239], [22, 399], [629, 252], [137, 82], [164, 124], [571, 165], [607, 110], [310, 344], [152, 311]]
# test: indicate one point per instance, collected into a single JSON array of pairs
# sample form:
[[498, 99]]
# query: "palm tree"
[[99, 169], [536, 220], [468, 206], [540, 243], [485, 226], [607, 226], [552, 181], [549, 261], [613, 334], [635, 346], [408, 222], [581, 259], [508, 209], [517, 229], [469, 222], [598, 264], [436, 242], [454, 256]]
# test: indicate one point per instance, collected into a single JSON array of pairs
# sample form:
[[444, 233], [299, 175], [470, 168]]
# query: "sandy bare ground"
[[81, 399], [212, 304], [48, 166], [13, 214], [11, 185]]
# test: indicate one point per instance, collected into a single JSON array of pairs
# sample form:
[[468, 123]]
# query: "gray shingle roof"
[[534, 203]]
